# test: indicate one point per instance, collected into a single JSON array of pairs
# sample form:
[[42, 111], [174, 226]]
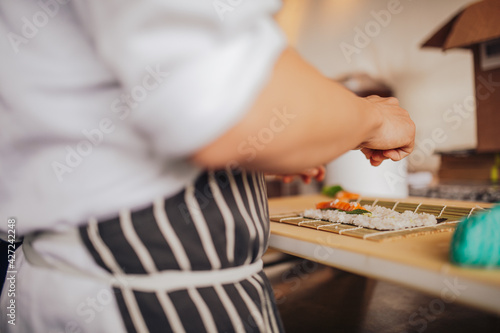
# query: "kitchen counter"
[[419, 262]]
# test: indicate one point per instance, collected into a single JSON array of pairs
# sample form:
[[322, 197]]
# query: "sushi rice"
[[379, 218]]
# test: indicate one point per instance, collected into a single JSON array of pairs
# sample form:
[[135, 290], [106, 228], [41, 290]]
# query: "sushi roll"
[[372, 217]]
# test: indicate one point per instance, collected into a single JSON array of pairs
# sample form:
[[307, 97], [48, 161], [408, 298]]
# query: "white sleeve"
[[218, 55]]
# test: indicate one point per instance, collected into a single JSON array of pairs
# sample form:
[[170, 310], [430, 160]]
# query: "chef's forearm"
[[300, 119]]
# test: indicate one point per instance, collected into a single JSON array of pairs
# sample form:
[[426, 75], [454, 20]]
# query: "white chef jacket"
[[103, 101], [101, 104]]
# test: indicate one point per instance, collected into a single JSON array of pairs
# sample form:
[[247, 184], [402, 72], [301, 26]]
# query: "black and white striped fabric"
[[219, 221]]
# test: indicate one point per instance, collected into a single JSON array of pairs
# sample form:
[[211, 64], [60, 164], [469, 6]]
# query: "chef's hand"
[[307, 175], [395, 137]]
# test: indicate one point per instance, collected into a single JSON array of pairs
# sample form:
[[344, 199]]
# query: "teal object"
[[476, 241]]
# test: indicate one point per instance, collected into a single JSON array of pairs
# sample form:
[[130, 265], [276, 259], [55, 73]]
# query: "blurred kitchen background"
[[437, 88], [355, 41]]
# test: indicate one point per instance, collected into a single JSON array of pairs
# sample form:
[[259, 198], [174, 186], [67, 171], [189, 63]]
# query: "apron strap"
[[163, 281]]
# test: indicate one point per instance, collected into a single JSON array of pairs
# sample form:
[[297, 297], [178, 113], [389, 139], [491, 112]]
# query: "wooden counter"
[[420, 262]]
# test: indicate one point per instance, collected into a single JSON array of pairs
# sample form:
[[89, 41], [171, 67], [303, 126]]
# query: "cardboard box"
[[477, 27]]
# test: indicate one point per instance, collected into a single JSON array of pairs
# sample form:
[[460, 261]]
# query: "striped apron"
[[190, 263]]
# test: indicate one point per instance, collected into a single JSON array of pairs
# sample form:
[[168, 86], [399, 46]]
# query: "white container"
[[355, 174]]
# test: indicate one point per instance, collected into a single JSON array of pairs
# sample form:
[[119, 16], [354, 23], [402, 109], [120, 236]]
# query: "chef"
[[133, 139]]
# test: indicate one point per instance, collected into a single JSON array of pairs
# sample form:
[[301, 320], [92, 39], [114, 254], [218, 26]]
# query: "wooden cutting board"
[[428, 252]]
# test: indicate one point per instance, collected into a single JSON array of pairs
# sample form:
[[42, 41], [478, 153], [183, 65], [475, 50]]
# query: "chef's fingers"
[[387, 100], [377, 157], [306, 179], [368, 152], [396, 154], [306, 175], [321, 173], [311, 172]]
